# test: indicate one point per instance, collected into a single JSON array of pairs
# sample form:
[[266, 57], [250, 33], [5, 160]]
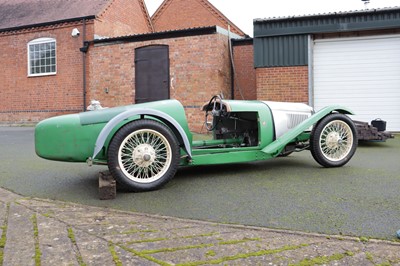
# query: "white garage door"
[[362, 74]]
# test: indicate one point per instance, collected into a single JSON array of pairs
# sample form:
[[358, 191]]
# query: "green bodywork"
[[73, 137]]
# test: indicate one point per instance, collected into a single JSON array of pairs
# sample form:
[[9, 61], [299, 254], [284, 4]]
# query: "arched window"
[[42, 57]]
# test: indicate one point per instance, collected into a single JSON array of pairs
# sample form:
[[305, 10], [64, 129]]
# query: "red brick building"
[[198, 67], [244, 73], [185, 14], [42, 63], [53, 70], [284, 84]]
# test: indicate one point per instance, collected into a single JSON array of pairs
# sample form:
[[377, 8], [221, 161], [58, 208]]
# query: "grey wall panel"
[[281, 51]]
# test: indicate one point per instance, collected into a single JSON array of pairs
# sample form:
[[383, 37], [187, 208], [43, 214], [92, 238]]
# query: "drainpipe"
[[310, 71], [231, 63], [233, 68], [84, 50]]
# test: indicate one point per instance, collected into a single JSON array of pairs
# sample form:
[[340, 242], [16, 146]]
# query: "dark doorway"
[[152, 73]]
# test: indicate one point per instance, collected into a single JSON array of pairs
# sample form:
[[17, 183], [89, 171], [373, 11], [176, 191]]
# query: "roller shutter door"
[[360, 73]]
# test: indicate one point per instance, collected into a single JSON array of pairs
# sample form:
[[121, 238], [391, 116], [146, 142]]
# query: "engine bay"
[[229, 129], [238, 125]]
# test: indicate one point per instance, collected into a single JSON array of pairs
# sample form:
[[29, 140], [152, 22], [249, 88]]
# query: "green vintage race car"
[[144, 144]]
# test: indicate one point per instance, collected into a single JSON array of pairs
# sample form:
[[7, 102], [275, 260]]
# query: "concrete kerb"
[[47, 232], [2, 124]]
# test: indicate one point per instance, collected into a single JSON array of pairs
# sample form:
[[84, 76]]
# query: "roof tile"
[[19, 13]]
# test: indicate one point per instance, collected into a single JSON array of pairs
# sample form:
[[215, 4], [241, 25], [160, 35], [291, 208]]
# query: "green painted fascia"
[[327, 23]]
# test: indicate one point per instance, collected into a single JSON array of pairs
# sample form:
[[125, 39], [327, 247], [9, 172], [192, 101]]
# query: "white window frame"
[[42, 41]]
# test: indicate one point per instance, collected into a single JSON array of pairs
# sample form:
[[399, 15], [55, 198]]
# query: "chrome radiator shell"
[[288, 115]]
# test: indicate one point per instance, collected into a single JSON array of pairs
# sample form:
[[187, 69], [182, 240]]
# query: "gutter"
[[159, 35]]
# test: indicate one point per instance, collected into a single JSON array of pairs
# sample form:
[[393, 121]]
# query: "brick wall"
[[288, 84], [185, 14], [245, 76], [199, 67], [123, 17], [26, 99]]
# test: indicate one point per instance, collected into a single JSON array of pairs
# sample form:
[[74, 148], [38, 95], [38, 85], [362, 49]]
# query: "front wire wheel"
[[143, 155], [334, 140]]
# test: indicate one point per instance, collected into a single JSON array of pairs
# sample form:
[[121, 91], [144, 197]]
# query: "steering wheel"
[[212, 106]]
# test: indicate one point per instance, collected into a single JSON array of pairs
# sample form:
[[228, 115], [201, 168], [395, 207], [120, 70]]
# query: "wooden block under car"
[[107, 186]]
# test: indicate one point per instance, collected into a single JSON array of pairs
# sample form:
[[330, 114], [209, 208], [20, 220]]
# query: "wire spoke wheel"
[[143, 155], [333, 140], [336, 140]]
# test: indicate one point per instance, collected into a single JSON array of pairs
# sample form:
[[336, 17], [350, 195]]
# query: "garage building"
[[346, 58]]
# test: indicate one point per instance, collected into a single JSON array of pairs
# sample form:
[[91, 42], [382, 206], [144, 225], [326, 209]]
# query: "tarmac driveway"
[[361, 199]]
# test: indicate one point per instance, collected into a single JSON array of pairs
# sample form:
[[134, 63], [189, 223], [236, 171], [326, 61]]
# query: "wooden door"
[[152, 73]]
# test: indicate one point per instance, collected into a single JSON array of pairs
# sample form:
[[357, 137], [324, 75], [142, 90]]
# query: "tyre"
[[333, 140], [143, 155]]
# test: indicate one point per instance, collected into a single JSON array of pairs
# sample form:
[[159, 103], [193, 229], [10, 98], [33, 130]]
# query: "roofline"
[[142, 5], [160, 35], [47, 23], [326, 15], [225, 18], [158, 11], [148, 18], [219, 14], [105, 7], [244, 41], [364, 20]]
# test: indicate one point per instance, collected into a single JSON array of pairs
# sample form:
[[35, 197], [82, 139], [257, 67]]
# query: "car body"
[[144, 144]]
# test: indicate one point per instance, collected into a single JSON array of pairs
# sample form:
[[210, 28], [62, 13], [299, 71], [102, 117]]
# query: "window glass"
[[42, 57]]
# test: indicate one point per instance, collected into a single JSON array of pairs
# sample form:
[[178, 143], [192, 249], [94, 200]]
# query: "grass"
[[243, 256], [38, 253], [3, 238], [114, 255], [71, 236], [322, 260]]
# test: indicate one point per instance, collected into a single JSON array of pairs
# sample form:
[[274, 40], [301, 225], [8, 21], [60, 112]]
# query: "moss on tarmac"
[[360, 199]]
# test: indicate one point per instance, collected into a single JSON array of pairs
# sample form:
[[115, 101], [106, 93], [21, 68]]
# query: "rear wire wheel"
[[143, 155], [333, 140]]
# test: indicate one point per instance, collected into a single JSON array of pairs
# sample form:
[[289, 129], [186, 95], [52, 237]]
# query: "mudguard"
[[275, 147], [102, 137]]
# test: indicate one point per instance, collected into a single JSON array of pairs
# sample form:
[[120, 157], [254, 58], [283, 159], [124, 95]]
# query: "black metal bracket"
[[85, 47]]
